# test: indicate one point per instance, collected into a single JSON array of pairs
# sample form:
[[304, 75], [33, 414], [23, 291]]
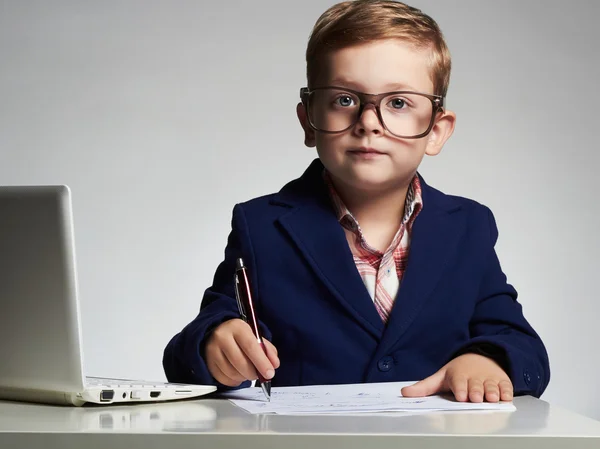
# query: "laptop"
[[41, 357]]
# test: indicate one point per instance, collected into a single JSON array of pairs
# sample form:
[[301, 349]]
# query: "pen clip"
[[240, 303]]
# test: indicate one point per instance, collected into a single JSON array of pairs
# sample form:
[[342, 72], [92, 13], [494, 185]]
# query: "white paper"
[[350, 398]]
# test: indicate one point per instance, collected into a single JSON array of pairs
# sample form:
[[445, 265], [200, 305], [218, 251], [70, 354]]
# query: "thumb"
[[426, 387], [271, 353]]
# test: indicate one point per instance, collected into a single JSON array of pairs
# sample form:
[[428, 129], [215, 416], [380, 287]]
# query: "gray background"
[[162, 115]]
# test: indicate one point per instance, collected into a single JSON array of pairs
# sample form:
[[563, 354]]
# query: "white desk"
[[213, 423]]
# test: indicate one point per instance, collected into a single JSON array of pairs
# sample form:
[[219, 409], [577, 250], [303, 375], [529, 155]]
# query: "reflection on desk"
[[177, 416], [533, 417]]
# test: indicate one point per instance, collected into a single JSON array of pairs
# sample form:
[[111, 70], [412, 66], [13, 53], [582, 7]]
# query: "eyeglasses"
[[405, 114]]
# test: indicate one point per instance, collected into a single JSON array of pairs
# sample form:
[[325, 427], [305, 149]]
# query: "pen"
[[248, 314]]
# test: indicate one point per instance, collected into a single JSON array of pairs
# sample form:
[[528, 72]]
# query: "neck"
[[382, 206]]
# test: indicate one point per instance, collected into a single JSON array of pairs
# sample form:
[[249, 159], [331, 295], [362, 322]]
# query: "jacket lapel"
[[436, 233], [312, 225]]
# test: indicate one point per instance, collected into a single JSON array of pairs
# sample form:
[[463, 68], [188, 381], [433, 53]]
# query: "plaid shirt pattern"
[[381, 272]]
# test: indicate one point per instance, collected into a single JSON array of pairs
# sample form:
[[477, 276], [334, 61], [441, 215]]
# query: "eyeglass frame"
[[437, 103]]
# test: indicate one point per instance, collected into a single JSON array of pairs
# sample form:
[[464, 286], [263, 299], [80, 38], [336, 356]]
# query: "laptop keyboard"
[[127, 383]]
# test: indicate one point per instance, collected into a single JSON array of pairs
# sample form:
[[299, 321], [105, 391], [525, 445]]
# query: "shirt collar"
[[412, 205]]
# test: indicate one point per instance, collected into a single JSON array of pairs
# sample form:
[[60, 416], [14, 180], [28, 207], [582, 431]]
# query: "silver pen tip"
[[266, 388], [239, 263]]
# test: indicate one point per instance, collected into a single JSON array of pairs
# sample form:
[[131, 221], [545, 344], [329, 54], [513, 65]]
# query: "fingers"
[[222, 370], [475, 390], [233, 354], [464, 389], [506, 390], [491, 390], [459, 385], [431, 385], [254, 352], [238, 360], [476, 378]]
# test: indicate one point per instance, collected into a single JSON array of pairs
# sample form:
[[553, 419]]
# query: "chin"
[[369, 182], [371, 174]]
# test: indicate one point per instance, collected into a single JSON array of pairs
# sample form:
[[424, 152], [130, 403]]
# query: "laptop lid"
[[40, 335]]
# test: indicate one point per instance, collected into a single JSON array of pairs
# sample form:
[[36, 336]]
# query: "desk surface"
[[209, 423]]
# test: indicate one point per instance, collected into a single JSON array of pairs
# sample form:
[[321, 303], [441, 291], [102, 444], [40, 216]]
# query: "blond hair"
[[362, 21]]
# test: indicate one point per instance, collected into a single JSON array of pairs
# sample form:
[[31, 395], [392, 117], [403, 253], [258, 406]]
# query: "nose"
[[368, 122]]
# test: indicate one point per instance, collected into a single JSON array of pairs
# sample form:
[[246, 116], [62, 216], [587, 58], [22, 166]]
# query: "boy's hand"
[[470, 377], [233, 355]]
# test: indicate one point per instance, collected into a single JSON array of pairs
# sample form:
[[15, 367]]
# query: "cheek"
[[409, 150], [329, 146]]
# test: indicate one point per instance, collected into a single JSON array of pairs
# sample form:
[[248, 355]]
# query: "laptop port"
[[154, 394], [107, 395]]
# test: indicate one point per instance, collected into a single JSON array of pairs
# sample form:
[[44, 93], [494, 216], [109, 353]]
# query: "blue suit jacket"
[[315, 309]]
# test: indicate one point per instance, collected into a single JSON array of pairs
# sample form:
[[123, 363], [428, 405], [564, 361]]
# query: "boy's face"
[[368, 157]]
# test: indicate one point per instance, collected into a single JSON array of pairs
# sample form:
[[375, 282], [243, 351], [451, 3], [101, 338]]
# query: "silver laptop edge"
[[40, 331]]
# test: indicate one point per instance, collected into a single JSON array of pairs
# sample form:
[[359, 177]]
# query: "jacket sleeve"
[[183, 358], [500, 331]]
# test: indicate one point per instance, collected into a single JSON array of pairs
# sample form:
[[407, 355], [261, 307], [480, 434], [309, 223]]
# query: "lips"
[[365, 150]]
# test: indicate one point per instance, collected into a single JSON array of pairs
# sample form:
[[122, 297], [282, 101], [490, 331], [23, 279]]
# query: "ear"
[[309, 133], [443, 128]]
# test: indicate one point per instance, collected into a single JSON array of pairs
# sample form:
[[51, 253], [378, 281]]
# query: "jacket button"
[[527, 377], [385, 364]]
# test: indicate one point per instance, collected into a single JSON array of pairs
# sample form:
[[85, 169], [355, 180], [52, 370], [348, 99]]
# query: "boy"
[[361, 271]]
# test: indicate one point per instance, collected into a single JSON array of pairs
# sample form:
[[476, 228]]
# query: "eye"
[[344, 101], [397, 103]]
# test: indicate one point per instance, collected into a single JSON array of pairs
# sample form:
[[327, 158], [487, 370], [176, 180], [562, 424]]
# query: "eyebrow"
[[390, 87]]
